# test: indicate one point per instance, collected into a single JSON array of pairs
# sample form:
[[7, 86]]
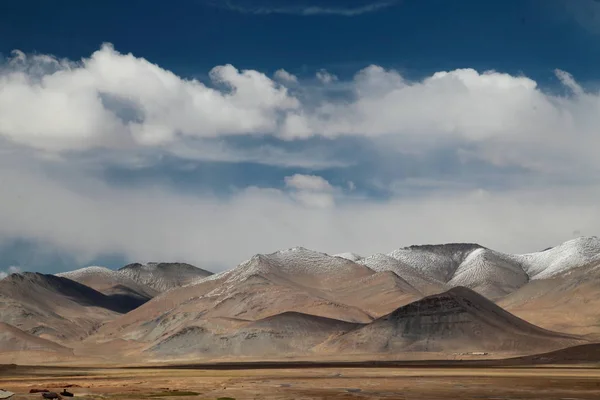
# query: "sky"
[[207, 131]]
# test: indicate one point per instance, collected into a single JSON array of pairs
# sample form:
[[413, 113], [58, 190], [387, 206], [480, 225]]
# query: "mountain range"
[[448, 300]]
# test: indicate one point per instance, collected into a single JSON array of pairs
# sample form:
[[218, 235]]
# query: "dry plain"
[[424, 382]]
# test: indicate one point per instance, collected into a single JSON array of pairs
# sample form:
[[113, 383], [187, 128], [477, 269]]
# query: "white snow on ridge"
[[349, 256], [164, 276], [488, 267], [571, 254], [105, 276], [467, 265], [293, 263], [298, 261], [472, 266], [435, 266], [382, 262], [301, 260], [88, 272]]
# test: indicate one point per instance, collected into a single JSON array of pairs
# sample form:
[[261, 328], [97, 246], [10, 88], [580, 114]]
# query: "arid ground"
[[548, 383]]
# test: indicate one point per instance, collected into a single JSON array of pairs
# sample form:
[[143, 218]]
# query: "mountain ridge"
[[455, 297]]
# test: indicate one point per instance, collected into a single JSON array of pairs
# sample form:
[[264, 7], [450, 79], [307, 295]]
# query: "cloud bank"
[[62, 121], [118, 101]]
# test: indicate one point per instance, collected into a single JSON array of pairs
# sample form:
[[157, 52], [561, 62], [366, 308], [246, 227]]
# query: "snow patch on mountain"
[[349, 256], [109, 281], [490, 271], [92, 271], [382, 262], [474, 266], [297, 263], [571, 254], [439, 262], [164, 276], [471, 265], [304, 261]]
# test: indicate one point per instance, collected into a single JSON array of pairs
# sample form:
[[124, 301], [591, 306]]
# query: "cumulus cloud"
[[311, 190], [308, 182], [569, 82], [283, 75], [117, 100], [325, 77]]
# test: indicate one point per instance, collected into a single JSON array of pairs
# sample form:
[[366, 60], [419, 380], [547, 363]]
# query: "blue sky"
[[206, 131], [417, 37]]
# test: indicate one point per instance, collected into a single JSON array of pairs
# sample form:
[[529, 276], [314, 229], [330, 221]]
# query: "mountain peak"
[[445, 248], [162, 276], [349, 256], [566, 256], [297, 250], [87, 271]]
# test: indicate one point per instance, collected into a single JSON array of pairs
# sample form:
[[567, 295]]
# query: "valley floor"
[[548, 383]]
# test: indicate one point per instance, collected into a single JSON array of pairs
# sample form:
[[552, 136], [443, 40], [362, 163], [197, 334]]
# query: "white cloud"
[[118, 101], [569, 82], [308, 182], [283, 75], [305, 9], [314, 199], [326, 77], [508, 120], [10, 270], [78, 106], [311, 190]]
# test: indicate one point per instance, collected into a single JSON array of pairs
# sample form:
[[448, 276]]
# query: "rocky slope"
[[116, 285], [295, 280], [54, 308], [15, 340], [459, 320], [281, 335], [568, 301]]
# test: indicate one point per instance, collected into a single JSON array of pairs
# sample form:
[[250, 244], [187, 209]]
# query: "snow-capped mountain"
[[551, 262], [492, 273], [349, 256], [415, 277], [297, 264]]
